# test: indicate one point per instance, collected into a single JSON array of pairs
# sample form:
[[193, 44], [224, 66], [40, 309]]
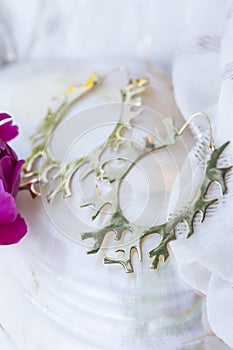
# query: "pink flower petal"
[[8, 131], [6, 150], [8, 209], [12, 233], [4, 116], [16, 177], [6, 172]]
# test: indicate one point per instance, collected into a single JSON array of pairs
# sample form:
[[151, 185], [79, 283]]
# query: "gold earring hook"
[[117, 69], [180, 132]]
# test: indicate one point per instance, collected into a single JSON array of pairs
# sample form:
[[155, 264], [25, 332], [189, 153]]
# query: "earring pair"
[[103, 170]]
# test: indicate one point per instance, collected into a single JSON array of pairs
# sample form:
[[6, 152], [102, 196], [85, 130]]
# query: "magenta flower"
[[12, 226]]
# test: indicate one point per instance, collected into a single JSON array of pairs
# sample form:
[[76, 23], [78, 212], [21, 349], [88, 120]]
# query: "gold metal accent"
[[117, 223], [32, 175], [193, 116], [198, 204], [131, 108], [90, 82], [167, 231], [118, 69]]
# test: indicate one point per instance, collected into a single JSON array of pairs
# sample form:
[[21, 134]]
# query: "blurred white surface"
[[88, 30]]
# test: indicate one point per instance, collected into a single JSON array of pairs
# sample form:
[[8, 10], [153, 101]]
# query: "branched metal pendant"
[[31, 175], [104, 170]]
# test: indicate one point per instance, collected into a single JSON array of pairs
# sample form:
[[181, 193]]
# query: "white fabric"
[[90, 30], [203, 81]]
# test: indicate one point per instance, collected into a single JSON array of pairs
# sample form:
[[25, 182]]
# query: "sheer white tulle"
[[203, 81]]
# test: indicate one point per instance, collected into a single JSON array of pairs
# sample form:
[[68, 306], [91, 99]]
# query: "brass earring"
[[117, 221]]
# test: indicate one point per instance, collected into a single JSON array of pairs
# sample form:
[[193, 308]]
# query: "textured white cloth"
[[91, 30], [203, 81]]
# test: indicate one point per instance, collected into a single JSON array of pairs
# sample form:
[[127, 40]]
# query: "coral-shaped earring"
[[103, 170]]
